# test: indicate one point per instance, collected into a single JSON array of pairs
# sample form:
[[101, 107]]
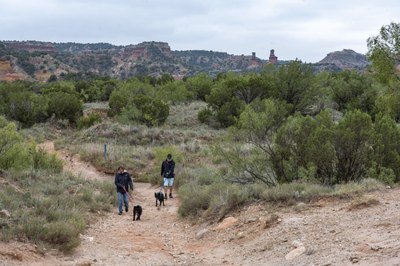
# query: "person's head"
[[169, 157], [121, 169]]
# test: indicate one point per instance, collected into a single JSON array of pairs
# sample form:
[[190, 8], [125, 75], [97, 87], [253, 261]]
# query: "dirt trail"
[[73, 163], [157, 239], [327, 232]]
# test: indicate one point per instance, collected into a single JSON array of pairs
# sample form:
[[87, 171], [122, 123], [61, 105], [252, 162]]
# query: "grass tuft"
[[362, 203]]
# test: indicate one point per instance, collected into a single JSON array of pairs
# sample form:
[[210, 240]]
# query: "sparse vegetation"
[[50, 209], [363, 202], [46, 206]]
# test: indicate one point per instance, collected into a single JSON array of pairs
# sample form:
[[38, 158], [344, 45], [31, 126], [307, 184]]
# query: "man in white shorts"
[[167, 172]]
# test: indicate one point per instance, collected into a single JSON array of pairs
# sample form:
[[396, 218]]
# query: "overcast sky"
[[303, 29]]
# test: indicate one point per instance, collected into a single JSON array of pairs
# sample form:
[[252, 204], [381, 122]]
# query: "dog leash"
[[162, 187], [127, 194]]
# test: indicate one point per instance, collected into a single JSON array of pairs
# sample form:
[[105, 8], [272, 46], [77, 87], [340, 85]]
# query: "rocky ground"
[[324, 232]]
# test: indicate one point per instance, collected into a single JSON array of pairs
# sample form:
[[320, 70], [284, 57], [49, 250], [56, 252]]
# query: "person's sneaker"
[[165, 196], [170, 195], [120, 213], [126, 209]]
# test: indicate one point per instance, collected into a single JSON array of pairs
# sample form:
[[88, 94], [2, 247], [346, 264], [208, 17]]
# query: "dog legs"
[[137, 212]]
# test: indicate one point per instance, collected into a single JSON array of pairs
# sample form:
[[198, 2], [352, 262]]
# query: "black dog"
[[159, 198], [137, 211]]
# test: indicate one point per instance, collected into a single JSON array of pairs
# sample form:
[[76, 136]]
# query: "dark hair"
[[169, 156], [120, 167]]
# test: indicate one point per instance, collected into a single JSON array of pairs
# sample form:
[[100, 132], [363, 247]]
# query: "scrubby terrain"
[[282, 167], [328, 231]]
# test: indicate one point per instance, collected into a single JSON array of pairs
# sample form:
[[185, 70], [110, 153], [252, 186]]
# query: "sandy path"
[[156, 239], [73, 163]]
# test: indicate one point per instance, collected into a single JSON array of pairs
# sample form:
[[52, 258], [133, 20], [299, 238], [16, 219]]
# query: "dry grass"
[[51, 209], [362, 203], [184, 116], [272, 220]]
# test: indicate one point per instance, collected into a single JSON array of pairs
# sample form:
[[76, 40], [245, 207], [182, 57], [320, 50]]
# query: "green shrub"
[[64, 106], [388, 105], [226, 198], [383, 174], [161, 152], [290, 193], [387, 145], [153, 112], [11, 146], [27, 108], [88, 121], [352, 90], [34, 228], [200, 85], [304, 149], [174, 92], [194, 200], [64, 235], [353, 142], [123, 95], [41, 160], [205, 115]]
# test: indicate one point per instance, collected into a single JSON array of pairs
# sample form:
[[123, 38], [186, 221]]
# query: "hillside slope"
[[345, 59], [41, 60], [147, 58]]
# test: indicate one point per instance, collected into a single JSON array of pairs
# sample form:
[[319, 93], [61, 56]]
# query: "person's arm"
[[162, 169], [172, 169], [130, 182], [117, 182]]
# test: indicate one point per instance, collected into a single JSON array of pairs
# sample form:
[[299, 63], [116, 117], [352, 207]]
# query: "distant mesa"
[[32, 46], [143, 49], [346, 59], [146, 58]]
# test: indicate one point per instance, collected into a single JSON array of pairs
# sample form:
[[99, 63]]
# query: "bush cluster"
[[17, 153], [21, 102]]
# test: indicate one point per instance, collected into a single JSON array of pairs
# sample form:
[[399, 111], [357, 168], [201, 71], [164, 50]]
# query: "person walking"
[[167, 172], [123, 182]]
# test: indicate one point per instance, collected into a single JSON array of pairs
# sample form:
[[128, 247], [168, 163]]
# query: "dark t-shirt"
[[123, 182], [167, 169]]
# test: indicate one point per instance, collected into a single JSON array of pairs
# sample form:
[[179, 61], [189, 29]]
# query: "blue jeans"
[[124, 197]]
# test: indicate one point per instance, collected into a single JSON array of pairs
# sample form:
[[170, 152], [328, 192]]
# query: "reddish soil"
[[327, 232]]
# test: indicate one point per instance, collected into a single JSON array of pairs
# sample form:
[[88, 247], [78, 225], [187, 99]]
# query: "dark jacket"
[[167, 169], [123, 181]]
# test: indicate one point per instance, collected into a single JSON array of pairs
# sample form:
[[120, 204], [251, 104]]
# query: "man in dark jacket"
[[167, 172], [123, 182]]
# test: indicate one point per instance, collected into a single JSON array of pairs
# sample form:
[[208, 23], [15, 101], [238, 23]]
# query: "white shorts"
[[168, 182]]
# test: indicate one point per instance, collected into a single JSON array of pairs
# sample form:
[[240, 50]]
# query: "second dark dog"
[[159, 198], [137, 211]]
